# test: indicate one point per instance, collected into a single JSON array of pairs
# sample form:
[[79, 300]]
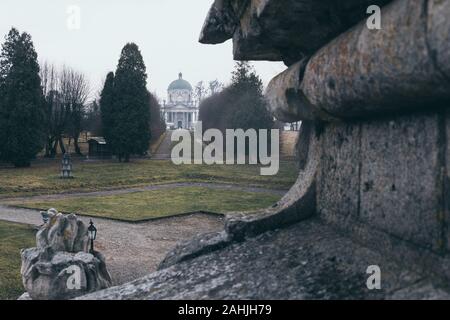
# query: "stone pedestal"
[[60, 267]]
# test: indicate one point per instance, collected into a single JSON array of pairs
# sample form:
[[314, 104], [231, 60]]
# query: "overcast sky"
[[165, 30]]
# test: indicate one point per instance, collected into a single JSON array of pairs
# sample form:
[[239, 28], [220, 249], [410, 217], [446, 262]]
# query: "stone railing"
[[374, 147]]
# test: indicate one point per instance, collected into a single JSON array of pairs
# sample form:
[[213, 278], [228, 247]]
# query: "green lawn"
[[13, 238], [43, 178], [160, 203]]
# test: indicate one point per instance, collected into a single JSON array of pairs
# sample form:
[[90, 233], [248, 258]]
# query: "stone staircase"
[[164, 149]]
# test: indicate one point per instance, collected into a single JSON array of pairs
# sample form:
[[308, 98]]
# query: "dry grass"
[[43, 178], [160, 203], [13, 238]]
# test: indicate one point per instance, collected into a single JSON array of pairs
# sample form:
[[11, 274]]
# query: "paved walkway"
[[132, 250]]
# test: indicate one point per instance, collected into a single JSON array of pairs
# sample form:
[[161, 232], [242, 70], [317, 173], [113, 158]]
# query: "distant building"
[[180, 110], [98, 148]]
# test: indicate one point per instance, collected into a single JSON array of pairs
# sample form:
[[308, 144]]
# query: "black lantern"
[[92, 234]]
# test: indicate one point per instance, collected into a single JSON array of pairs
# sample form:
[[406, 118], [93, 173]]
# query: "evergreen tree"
[[22, 107], [106, 105], [249, 110], [130, 112], [239, 106], [245, 80]]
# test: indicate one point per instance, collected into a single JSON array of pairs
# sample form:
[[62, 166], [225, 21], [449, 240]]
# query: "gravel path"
[[132, 250], [146, 188]]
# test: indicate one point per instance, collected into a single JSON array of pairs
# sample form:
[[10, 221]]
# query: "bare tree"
[[92, 121], [56, 112], [200, 92], [75, 93], [215, 86], [66, 93]]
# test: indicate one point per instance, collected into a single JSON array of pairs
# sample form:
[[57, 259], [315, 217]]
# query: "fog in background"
[[166, 31]]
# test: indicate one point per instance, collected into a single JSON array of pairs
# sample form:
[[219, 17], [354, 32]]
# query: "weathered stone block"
[[439, 33], [284, 30], [400, 178], [60, 257], [199, 245], [376, 71], [338, 181], [220, 23], [447, 179], [50, 275], [62, 233], [285, 101]]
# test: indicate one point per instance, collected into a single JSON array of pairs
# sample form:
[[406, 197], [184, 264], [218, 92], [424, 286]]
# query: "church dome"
[[180, 84]]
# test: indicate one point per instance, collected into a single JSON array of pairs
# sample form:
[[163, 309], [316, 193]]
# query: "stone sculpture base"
[[62, 275]]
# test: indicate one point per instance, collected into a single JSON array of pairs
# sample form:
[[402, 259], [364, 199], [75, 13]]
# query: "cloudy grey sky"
[[166, 31]]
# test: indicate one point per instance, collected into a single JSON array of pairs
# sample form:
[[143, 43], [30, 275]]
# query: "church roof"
[[180, 84]]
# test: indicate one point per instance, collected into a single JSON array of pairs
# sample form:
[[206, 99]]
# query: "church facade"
[[180, 110]]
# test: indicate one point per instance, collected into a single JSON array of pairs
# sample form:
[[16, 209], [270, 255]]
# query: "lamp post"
[[92, 234], [66, 167]]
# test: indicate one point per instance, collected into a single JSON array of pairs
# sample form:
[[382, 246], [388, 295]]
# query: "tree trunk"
[[54, 149], [61, 145], [77, 146], [49, 148]]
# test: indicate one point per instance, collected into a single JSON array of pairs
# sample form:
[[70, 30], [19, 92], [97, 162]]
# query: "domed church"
[[180, 110]]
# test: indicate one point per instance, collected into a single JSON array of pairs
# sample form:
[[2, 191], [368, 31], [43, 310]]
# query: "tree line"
[[240, 105], [204, 89], [41, 105]]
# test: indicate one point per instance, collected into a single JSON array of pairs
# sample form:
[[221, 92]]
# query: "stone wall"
[[386, 178], [447, 179], [378, 103]]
